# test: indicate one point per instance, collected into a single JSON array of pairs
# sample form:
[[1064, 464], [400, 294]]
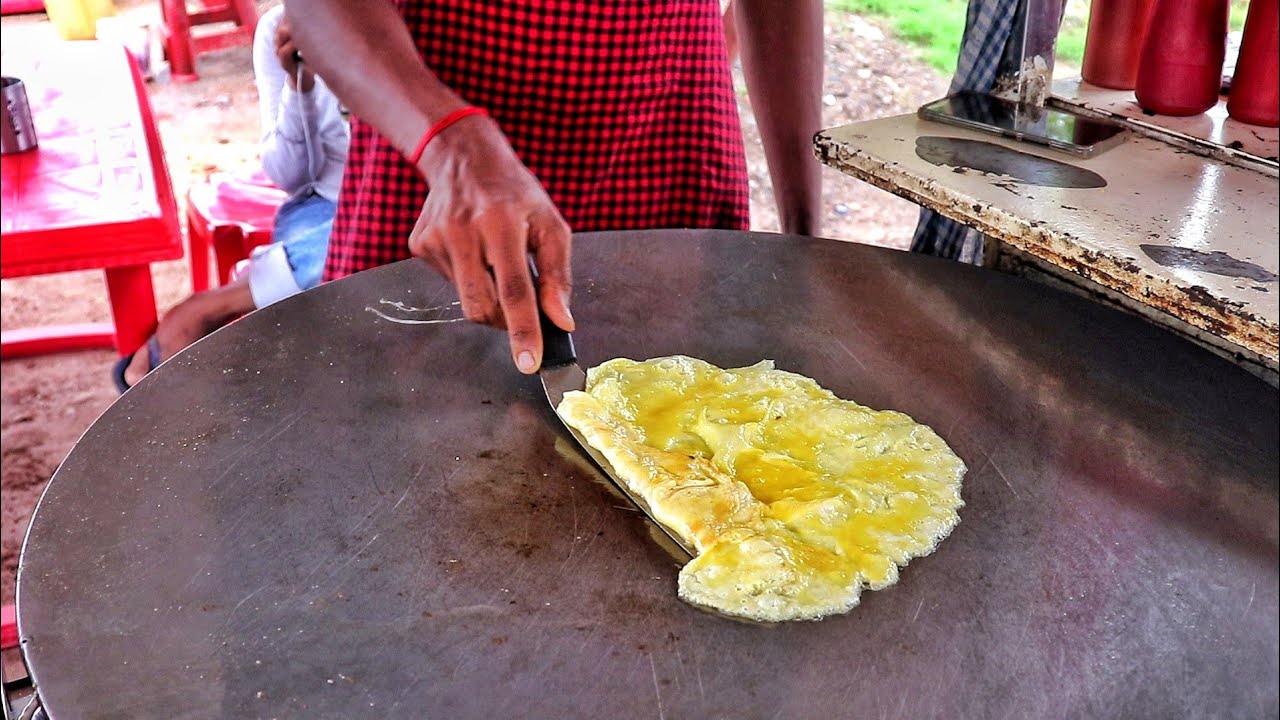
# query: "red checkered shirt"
[[624, 110]]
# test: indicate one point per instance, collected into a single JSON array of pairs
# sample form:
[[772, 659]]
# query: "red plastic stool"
[[182, 47], [226, 218]]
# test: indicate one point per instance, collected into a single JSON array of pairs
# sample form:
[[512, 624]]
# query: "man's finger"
[[550, 244], [439, 262], [506, 249], [425, 243], [472, 279]]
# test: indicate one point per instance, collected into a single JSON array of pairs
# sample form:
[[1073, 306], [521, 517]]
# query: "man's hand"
[[290, 59], [484, 215]]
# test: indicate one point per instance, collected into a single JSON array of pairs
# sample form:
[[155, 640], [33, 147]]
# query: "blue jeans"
[[302, 227]]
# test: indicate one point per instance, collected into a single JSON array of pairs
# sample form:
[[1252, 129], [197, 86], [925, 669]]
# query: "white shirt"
[[304, 136]]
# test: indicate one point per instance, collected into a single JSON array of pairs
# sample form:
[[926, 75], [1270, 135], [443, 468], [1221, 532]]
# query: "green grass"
[[1075, 25], [1239, 8], [934, 27]]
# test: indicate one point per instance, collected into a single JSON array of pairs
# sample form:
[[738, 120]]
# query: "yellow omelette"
[[794, 498]]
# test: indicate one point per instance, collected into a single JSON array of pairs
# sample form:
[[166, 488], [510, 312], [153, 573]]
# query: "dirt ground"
[[209, 125]]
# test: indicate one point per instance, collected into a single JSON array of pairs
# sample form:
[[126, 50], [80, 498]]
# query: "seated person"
[[304, 149]]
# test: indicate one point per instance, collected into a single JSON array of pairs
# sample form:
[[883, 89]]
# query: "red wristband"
[[440, 127]]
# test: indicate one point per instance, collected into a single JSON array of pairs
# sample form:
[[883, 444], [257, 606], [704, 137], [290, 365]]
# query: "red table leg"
[[26, 342], [199, 251], [228, 249], [246, 12], [133, 306], [177, 41]]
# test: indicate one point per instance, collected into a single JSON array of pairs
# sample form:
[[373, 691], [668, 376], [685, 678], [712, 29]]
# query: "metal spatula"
[[560, 374]]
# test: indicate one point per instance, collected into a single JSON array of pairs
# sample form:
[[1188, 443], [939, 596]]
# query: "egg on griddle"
[[795, 499]]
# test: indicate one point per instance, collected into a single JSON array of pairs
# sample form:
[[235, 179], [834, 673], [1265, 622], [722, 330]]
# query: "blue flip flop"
[[153, 360]]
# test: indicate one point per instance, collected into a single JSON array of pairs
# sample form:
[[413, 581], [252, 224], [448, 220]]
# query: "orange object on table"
[[94, 194]]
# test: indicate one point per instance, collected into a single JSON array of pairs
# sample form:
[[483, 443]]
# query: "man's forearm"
[[781, 46], [366, 56]]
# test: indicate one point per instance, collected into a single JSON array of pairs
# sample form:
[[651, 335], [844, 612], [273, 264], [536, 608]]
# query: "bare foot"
[[190, 320]]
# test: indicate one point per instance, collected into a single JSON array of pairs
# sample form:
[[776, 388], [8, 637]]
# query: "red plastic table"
[[94, 194], [17, 7]]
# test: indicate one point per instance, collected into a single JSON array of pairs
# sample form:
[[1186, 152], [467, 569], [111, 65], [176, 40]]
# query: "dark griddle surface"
[[316, 512]]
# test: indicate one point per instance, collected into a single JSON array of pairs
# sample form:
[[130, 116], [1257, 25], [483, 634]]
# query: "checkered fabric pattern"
[[624, 110], [987, 28]]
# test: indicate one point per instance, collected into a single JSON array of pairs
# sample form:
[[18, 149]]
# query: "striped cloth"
[[987, 28]]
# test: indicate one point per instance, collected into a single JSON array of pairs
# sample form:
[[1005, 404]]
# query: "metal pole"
[[1026, 71]]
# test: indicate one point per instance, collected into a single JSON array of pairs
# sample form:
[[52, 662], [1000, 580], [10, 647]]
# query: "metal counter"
[[1185, 240]]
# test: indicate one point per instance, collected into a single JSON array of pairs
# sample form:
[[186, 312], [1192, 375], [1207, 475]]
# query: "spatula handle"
[[557, 344]]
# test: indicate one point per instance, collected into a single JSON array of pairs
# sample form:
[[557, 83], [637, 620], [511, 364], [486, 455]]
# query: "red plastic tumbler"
[[1180, 72], [1114, 43], [1255, 87]]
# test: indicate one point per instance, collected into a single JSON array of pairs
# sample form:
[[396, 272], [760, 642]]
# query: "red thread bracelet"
[[440, 127]]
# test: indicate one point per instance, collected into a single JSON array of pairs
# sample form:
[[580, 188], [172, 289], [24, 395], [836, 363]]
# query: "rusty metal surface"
[[1155, 196], [322, 511], [1010, 260]]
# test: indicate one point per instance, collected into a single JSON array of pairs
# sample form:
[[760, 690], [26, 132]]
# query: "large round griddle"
[[319, 512]]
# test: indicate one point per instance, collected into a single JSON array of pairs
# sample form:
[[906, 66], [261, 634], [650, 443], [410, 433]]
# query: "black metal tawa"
[[349, 505]]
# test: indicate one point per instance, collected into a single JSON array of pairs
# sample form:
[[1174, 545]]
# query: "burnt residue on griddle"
[[996, 159], [1217, 263]]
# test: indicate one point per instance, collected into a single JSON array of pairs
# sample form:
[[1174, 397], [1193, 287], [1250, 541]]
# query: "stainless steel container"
[[17, 132]]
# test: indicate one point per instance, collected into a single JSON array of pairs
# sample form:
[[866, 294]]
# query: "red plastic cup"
[[1255, 88], [1180, 72], [1113, 46]]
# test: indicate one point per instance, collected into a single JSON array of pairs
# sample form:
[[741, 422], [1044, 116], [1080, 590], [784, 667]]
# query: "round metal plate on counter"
[[350, 504]]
